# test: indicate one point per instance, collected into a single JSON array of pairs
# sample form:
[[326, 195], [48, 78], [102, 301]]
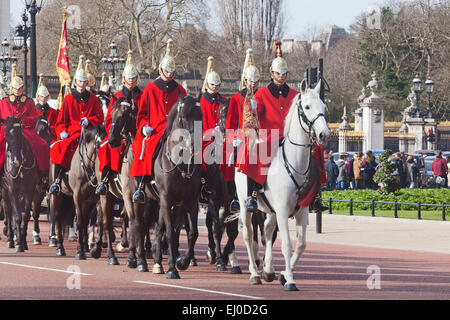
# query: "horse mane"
[[290, 115]]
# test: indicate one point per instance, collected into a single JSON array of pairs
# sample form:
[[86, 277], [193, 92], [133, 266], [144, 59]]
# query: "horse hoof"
[[25, 246], [255, 281], [113, 261], [193, 263], [96, 252], [131, 263], [183, 263], [121, 247], [221, 267], [210, 258], [236, 270], [80, 256], [268, 277], [290, 287], [10, 244], [37, 241], [157, 269], [20, 248], [52, 242], [72, 238], [61, 252], [282, 280], [172, 275], [142, 268]]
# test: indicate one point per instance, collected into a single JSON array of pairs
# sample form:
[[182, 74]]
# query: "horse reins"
[[21, 167]]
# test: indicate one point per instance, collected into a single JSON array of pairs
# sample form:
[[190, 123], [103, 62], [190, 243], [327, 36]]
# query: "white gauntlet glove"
[[147, 130], [63, 135], [237, 142], [84, 122]]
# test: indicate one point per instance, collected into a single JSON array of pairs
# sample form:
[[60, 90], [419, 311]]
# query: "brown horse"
[[79, 183], [18, 184], [177, 175]]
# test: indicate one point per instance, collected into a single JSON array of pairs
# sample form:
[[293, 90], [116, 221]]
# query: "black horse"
[[18, 183], [79, 183], [218, 215], [177, 173]]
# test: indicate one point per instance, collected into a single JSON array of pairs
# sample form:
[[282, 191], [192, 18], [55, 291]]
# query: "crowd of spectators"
[[357, 172]]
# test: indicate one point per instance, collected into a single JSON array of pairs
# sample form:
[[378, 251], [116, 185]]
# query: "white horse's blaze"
[[281, 190]]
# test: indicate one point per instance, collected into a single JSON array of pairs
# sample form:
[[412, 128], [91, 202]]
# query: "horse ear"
[[318, 86], [303, 86]]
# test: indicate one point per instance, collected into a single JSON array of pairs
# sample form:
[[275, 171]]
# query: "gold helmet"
[[42, 89], [211, 77], [80, 74], [250, 72], [90, 76], [104, 84], [168, 62], [279, 64], [130, 70], [16, 81]]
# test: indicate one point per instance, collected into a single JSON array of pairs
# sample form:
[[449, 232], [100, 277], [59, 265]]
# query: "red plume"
[[278, 52]]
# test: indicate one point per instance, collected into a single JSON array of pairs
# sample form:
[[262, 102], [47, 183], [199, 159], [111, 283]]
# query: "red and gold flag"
[[62, 63]]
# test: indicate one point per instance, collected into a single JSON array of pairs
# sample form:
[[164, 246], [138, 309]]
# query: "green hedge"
[[429, 196]]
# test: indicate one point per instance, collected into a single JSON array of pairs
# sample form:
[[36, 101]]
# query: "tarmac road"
[[355, 258]]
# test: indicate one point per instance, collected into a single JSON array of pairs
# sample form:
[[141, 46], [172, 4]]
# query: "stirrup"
[[102, 189], [55, 188], [252, 202], [235, 206], [139, 196]]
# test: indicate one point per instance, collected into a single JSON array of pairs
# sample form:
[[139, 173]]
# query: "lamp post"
[[417, 87], [429, 87], [33, 7], [21, 42], [6, 61], [113, 63]]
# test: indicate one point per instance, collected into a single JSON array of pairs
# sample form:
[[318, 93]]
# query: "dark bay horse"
[[79, 183], [177, 173], [18, 183], [218, 215]]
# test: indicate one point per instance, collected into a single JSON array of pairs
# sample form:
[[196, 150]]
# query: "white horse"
[[291, 169]]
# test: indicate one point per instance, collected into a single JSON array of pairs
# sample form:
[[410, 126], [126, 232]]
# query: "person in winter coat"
[[439, 167], [343, 176], [332, 173]]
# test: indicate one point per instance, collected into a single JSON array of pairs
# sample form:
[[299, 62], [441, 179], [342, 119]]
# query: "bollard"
[[395, 209], [373, 208], [330, 204], [443, 211], [319, 221], [351, 207], [419, 215]]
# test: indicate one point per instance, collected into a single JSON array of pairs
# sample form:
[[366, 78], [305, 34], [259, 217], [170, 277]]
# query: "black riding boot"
[[139, 195], [317, 205], [102, 187], [252, 193], [234, 204], [55, 188], [205, 192]]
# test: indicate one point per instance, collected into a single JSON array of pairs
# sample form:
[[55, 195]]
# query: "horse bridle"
[[184, 174], [21, 167], [82, 144]]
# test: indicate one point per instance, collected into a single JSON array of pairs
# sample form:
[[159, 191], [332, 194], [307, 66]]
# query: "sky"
[[300, 14]]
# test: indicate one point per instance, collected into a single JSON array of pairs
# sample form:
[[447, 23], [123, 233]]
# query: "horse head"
[[14, 139], [43, 128], [311, 113], [123, 117]]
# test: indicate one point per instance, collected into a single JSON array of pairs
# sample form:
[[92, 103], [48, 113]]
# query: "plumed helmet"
[[250, 72], [16, 81], [42, 89], [168, 62], [130, 70], [90, 75], [104, 84], [279, 64], [81, 74], [211, 77]]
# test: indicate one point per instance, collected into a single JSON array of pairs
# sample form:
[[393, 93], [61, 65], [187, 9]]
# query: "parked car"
[[425, 152]]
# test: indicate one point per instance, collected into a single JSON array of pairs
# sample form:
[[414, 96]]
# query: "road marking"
[[42, 268], [202, 290]]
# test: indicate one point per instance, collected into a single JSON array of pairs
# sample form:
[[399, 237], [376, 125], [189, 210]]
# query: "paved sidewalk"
[[379, 232]]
